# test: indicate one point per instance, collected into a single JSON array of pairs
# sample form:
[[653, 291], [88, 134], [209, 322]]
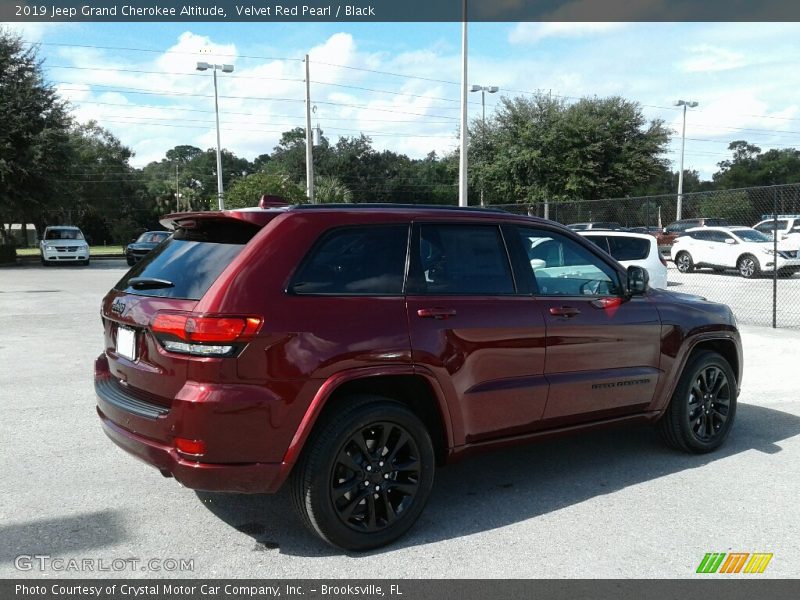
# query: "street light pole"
[[309, 140], [679, 208], [462, 159], [483, 89], [204, 66]]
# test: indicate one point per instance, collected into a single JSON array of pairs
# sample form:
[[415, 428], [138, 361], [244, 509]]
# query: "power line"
[[155, 51], [324, 117], [126, 90]]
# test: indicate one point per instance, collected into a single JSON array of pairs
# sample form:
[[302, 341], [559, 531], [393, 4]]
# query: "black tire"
[[85, 263], [699, 419], [684, 262], [42, 260], [336, 485], [747, 265]]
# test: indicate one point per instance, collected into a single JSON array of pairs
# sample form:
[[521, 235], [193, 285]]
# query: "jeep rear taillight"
[[201, 335]]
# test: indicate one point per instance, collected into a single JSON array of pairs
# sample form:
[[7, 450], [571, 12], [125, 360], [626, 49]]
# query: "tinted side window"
[[767, 227], [562, 267], [703, 236], [366, 260], [601, 241], [629, 248], [460, 259], [718, 236]]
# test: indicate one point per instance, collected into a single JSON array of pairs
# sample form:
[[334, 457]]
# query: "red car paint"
[[484, 370]]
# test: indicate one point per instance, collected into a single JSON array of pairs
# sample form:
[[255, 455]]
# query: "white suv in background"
[[63, 243], [742, 248], [788, 232], [632, 249]]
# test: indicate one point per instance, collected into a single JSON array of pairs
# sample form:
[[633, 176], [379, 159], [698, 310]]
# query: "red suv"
[[349, 350]]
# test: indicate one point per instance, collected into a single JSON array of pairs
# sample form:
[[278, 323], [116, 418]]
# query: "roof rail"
[[390, 205]]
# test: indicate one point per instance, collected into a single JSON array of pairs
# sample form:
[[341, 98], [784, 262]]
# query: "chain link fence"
[[734, 267]]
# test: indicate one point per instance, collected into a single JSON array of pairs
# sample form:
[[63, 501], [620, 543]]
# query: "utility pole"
[[309, 140], [462, 162], [177, 191]]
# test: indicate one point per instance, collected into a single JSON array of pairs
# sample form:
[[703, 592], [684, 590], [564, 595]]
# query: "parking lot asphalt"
[[750, 299], [615, 503]]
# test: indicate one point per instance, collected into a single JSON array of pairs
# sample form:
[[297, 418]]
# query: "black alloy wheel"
[[376, 477], [709, 403], [365, 473], [702, 410]]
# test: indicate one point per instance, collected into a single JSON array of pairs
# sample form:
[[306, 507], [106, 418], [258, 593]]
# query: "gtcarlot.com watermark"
[[48, 563]]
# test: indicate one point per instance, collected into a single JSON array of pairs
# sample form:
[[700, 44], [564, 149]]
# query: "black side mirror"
[[638, 280]]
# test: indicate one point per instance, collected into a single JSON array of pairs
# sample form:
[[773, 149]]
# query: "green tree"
[[542, 148], [34, 136], [329, 190], [248, 190], [750, 167], [104, 189]]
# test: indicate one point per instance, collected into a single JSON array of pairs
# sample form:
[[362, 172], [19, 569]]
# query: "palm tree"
[[329, 190]]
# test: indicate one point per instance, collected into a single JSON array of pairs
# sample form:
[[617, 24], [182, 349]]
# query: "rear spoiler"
[[255, 216]]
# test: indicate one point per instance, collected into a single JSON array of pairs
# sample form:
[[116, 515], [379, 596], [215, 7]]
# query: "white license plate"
[[126, 343]]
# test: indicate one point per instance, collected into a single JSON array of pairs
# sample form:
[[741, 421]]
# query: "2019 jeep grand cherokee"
[[351, 350]]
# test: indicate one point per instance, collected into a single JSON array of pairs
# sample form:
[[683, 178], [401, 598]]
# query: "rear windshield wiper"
[[149, 283]]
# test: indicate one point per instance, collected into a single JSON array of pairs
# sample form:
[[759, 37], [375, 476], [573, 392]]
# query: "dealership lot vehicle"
[[633, 249], [788, 231], [500, 514], [138, 248], [453, 312], [63, 243], [683, 225], [748, 251], [596, 225]]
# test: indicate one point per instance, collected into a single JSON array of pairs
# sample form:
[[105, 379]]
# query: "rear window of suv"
[[190, 262], [622, 247]]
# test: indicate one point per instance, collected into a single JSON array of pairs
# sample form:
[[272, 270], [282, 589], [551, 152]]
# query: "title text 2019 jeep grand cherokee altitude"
[[355, 348]]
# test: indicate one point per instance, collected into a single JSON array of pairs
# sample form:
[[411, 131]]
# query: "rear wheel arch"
[[409, 389]]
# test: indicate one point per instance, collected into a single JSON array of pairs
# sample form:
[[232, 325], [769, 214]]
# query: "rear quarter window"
[[628, 248], [355, 261], [191, 260]]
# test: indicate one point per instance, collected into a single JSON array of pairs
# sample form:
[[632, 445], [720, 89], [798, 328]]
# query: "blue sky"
[[743, 75]]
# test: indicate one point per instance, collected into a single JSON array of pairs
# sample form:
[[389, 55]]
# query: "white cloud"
[[706, 58], [531, 33]]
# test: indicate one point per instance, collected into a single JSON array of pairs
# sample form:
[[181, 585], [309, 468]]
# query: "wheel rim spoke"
[[384, 439], [347, 510], [406, 488], [376, 477], [341, 489], [409, 465], [708, 403], [401, 442]]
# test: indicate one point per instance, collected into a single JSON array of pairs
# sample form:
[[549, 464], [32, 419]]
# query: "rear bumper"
[[244, 451], [249, 478]]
